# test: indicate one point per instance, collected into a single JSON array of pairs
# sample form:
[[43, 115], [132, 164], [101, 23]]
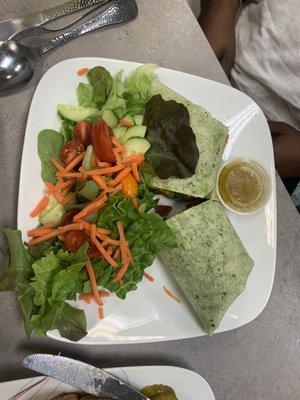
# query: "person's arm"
[[217, 20], [286, 143]]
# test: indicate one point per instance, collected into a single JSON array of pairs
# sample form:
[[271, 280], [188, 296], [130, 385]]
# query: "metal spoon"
[[17, 61]]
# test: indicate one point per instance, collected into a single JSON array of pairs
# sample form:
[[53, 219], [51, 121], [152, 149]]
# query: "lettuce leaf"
[[147, 235], [43, 285], [67, 129], [49, 145], [173, 150], [115, 101], [138, 87], [101, 81], [85, 95]]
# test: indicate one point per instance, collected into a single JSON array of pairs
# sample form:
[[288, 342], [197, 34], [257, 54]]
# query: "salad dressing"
[[243, 185]]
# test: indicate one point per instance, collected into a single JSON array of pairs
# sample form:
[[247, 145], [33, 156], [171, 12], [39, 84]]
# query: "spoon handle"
[[120, 11]]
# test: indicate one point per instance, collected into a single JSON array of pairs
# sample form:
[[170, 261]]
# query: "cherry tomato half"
[[73, 240], [129, 186], [71, 150], [101, 140], [82, 133]]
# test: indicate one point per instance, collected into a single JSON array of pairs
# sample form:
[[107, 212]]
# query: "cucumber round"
[[53, 212], [119, 132], [110, 118], [75, 113], [90, 190], [137, 145], [135, 131], [138, 119], [87, 159]]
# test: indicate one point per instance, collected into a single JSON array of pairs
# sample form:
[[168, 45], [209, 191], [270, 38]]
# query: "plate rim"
[[273, 191]]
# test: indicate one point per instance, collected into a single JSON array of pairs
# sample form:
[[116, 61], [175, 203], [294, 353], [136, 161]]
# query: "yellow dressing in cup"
[[243, 185]]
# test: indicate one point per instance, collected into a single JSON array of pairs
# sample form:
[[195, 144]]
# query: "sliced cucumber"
[[127, 121], [137, 145], [119, 132], [135, 131], [53, 212], [75, 113], [110, 118], [90, 190], [138, 119], [88, 158]]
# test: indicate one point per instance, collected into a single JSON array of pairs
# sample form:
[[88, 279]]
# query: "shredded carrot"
[[138, 158], [120, 176], [135, 171], [75, 162], [149, 277], [102, 164], [63, 174], [100, 231], [100, 313], [93, 232], [41, 239], [38, 232], [57, 164], [126, 123], [135, 202], [40, 207], [71, 227], [110, 250], [49, 225], [117, 253], [102, 250], [105, 170], [92, 277], [118, 277], [90, 208], [104, 293], [82, 71], [117, 145], [85, 297], [129, 253], [52, 189], [171, 294], [111, 241], [64, 185], [88, 297], [100, 182], [122, 241]]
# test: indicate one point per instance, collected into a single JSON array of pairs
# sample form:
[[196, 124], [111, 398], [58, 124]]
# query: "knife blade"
[[82, 376]]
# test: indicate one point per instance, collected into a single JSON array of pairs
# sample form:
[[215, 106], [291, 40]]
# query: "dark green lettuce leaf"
[[101, 81], [173, 150]]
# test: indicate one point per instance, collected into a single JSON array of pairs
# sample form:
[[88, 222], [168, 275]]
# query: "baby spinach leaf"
[[173, 150], [67, 129], [101, 81], [49, 145]]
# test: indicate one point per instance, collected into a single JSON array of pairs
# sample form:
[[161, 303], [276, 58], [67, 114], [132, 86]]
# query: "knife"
[[82, 376], [9, 27]]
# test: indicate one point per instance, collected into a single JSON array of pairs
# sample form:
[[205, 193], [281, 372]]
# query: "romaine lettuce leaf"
[[85, 95], [115, 101], [138, 88]]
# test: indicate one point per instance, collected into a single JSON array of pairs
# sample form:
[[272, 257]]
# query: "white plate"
[[148, 314], [187, 384]]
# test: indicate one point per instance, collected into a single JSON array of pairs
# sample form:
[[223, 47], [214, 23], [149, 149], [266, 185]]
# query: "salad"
[[95, 234]]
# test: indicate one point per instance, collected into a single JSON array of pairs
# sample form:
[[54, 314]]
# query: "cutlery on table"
[[10, 27], [82, 376], [17, 61]]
